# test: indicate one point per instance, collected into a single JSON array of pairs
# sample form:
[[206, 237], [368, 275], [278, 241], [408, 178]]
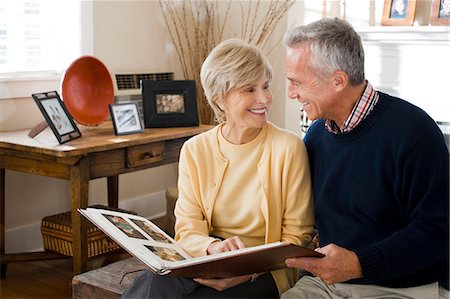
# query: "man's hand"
[[338, 265], [221, 284]]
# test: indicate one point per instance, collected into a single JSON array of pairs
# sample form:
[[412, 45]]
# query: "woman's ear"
[[340, 80], [220, 104]]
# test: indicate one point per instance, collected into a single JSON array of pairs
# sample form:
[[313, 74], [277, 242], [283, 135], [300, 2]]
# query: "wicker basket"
[[57, 235]]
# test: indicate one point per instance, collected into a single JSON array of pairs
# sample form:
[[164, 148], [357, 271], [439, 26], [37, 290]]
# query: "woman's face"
[[248, 107]]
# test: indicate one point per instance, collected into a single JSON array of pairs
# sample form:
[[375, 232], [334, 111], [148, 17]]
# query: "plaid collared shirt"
[[360, 111]]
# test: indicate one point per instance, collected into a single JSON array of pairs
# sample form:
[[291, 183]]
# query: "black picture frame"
[[57, 116], [170, 103], [125, 118]]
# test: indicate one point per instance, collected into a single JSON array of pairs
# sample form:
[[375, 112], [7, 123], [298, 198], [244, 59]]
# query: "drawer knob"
[[151, 154], [145, 154]]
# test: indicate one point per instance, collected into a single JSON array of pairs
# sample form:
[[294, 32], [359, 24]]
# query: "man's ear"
[[340, 80]]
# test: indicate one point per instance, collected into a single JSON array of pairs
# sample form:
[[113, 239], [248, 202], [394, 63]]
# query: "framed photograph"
[[440, 13], [57, 116], [398, 12], [169, 103], [125, 117]]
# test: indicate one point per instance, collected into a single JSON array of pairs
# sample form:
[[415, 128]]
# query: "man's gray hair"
[[334, 45]]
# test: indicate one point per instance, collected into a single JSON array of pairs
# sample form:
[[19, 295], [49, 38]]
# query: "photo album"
[[163, 255]]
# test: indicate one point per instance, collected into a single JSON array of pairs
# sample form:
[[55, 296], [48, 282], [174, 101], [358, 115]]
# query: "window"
[[38, 37]]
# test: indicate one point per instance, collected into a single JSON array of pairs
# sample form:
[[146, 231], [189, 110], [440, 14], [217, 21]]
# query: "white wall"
[[409, 62]]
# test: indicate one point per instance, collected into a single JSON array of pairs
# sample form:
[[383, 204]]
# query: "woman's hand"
[[221, 284], [229, 244]]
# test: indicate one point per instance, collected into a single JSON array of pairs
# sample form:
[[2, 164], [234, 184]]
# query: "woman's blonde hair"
[[231, 64]]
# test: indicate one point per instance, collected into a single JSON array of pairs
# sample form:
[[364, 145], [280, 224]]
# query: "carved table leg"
[[113, 191], [79, 180]]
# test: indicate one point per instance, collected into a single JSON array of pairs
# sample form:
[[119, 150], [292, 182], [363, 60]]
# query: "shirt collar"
[[360, 111]]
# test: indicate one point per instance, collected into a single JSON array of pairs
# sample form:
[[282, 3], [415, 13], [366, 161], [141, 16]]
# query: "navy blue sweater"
[[382, 190]]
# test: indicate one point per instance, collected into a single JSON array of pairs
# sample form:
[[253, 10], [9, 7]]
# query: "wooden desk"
[[98, 153]]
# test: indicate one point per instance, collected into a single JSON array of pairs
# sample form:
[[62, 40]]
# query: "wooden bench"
[[105, 282]]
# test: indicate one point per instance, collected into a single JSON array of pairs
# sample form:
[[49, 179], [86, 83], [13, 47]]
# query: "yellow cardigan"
[[285, 177]]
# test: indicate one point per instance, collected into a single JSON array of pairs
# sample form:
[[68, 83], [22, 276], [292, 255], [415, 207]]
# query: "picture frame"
[[57, 116], [126, 118], [398, 12], [171, 103], [440, 13]]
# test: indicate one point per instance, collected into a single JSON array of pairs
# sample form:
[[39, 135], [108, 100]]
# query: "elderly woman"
[[244, 183]]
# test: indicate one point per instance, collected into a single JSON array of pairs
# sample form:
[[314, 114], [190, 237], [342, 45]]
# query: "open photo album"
[[163, 255]]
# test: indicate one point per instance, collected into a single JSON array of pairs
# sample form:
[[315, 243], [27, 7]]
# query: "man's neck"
[[349, 97]]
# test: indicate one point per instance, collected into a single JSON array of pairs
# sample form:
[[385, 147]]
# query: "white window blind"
[[38, 37]]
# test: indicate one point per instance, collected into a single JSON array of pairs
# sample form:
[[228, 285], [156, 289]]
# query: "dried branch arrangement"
[[197, 26]]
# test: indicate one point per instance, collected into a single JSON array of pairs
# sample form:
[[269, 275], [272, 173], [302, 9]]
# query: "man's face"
[[315, 92]]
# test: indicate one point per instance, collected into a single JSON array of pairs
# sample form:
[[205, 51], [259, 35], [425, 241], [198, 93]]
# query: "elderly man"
[[380, 175]]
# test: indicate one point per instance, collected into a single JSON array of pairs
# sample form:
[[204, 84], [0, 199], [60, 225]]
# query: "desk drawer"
[[139, 155]]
